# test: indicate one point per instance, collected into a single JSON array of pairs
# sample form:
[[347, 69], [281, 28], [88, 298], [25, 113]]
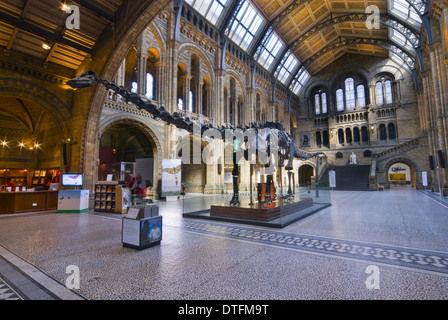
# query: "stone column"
[[171, 80], [141, 73], [211, 112], [160, 83], [185, 92], [199, 98]]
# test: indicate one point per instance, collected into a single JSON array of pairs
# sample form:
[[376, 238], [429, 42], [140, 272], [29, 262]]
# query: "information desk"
[[26, 201], [73, 201]]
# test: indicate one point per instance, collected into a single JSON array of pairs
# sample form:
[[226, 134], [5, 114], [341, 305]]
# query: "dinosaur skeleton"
[[270, 140]]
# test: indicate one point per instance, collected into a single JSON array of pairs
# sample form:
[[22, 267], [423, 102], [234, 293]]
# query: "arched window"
[[388, 91], [320, 103], [379, 94], [383, 91], [350, 94], [318, 139], [324, 102], [325, 138], [190, 101], [339, 100], [383, 134], [348, 135], [341, 136], [149, 86], [180, 104], [317, 103], [361, 96], [356, 135], [391, 131], [364, 134]]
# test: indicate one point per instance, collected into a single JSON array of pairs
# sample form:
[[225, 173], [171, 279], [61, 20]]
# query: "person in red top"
[[9, 184]]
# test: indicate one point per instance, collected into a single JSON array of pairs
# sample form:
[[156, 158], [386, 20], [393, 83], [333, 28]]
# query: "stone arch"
[[147, 129], [415, 179], [306, 170], [12, 87], [197, 51]]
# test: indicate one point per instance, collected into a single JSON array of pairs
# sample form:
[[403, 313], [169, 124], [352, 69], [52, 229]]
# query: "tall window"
[[360, 91], [180, 104], [149, 86], [245, 26], [190, 101], [350, 94], [340, 100], [317, 103], [383, 91], [388, 91], [324, 102], [379, 94], [320, 103]]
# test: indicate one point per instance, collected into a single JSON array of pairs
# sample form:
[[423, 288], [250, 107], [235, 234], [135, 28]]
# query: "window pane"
[[270, 50], [247, 22], [149, 86], [339, 100], [379, 94], [361, 96], [190, 101], [388, 91], [210, 9], [324, 102], [180, 104], [350, 94], [317, 103]]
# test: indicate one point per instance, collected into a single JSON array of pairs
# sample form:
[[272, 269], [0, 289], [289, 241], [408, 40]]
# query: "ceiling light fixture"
[[46, 46]]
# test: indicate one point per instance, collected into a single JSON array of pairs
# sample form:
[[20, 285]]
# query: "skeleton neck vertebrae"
[[265, 143]]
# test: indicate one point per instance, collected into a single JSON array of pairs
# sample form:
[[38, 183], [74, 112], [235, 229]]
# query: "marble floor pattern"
[[401, 233]]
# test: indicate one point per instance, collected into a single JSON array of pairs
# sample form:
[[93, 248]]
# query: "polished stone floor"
[[367, 245]]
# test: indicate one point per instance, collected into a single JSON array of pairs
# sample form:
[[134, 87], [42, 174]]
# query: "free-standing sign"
[[171, 177], [332, 178], [424, 178]]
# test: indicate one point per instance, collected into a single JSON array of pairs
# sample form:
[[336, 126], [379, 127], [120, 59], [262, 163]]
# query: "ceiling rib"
[[50, 36]]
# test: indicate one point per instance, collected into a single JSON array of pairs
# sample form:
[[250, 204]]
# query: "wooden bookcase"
[[105, 197]]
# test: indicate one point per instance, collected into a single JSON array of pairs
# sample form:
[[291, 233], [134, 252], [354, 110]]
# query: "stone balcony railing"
[[119, 104]]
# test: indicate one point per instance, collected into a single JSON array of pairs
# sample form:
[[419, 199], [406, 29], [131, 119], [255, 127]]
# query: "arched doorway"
[[306, 171], [401, 174], [127, 148]]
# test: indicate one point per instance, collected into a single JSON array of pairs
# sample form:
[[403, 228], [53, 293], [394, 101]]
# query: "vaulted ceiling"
[[314, 32]]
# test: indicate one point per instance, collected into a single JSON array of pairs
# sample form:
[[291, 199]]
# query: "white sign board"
[[332, 178], [131, 232], [171, 177], [424, 178]]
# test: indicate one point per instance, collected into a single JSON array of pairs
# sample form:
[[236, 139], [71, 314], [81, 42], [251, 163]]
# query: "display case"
[[105, 200], [142, 226]]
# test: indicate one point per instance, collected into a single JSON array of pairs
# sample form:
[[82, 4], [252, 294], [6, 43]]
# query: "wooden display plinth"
[[259, 211]]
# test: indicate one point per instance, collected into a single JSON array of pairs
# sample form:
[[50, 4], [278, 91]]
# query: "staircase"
[[350, 177]]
